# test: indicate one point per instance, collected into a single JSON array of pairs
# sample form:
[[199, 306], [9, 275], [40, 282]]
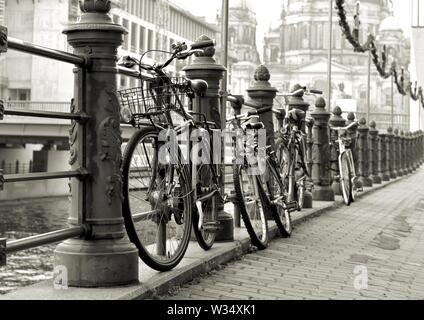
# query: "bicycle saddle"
[[255, 126], [199, 86], [296, 114]]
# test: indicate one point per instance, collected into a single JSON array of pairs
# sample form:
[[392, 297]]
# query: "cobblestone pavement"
[[377, 242]]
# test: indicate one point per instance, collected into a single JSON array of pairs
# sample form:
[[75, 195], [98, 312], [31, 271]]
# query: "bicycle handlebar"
[[259, 111]]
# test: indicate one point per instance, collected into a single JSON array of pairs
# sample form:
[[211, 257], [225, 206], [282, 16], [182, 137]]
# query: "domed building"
[[242, 48], [296, 51]]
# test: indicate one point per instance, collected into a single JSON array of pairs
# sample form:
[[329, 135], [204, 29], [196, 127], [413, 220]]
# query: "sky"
[[266, 14]]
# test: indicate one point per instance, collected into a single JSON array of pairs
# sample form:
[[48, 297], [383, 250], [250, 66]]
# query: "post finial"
[[100, 6]]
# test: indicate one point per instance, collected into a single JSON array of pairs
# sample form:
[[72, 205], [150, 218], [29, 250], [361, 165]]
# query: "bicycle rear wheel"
[[277, 192], [250, 198], [206, 235], [157, 202], [345, 178]]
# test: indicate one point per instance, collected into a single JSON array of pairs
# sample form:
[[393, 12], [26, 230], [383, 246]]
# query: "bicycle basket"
[[154, 98]]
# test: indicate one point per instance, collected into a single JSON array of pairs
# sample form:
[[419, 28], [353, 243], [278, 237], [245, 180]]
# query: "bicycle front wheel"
[[250, 200], [157, 202], [345, 178]]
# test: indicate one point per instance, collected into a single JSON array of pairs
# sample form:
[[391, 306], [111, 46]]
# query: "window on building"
[[125, 24], [142, 47], [133, 37], [20, 94]]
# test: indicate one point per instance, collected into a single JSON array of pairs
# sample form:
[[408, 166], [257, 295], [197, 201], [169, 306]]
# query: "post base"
[[399, 173], [323, 193], [97, 263], [226, 225], [393, 175], [376, 179], [337, 188], [307, 200], [385, 177], [366, 181]]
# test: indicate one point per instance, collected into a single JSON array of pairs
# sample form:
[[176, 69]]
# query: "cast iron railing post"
[[104, 257], [373, 153], [321, 174], [336, 120], [205, 67], [363, 154]]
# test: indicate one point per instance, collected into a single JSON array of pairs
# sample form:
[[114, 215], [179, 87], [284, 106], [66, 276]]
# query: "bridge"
[[95, 260]]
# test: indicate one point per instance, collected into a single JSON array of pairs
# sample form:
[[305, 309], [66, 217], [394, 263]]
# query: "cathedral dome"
[[390, 24], [241, 4]]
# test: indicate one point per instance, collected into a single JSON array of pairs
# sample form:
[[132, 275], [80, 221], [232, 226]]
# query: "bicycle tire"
[[345, 179], [259, 236], [282, 216], [205, 239], [181, 205]]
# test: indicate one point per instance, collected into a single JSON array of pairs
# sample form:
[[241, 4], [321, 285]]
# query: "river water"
[[23, 218]]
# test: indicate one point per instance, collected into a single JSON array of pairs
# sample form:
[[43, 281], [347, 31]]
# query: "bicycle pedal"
[[360, 189]]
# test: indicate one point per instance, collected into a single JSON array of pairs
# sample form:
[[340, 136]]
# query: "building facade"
[[151, 24], [296, 51], [243, 56]]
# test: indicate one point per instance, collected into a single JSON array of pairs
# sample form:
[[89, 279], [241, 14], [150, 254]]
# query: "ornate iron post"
[[396, 141], [373, 153], [408, 152], [205, 67], [105, 257], [390, 154], [402, 152], [336, 120], [308, 201], [382, 157], [321, 175], [363, 154], [414, 151], [263, 94], [297, 102]]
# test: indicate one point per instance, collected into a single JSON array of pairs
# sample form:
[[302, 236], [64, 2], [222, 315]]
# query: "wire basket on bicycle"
[[151, 99]]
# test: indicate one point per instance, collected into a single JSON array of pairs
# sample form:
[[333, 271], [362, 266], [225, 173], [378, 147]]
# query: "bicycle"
[[249, 190], [291, 150], [347, 173], [179, 194], [160, 184], [268, 185]]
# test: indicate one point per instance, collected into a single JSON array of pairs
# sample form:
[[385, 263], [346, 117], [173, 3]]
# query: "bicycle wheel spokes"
[[207, 233], [157, 209], [250, 203]]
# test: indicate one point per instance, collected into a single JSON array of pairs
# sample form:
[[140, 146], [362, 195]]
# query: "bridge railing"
[[25, 109], [95, 252]]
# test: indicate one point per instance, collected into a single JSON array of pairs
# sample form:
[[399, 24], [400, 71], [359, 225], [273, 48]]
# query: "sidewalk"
[[283, 255], [381, 236]]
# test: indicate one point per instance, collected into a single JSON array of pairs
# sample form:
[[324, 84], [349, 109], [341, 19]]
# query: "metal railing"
[[41, 110]]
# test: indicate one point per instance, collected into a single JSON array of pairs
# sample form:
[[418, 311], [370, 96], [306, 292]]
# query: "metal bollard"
[[373, 153], [336, 120], [390, 154], [415, 150], [321, 174], [363, 154], [382, 157], [263, 94], [408, 152], [205, 67], [297, 102], [397, 148], [308, 203], [104, 257], [402, 152]]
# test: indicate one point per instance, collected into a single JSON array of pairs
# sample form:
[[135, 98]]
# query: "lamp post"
[[330, 52], [369, 86]]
